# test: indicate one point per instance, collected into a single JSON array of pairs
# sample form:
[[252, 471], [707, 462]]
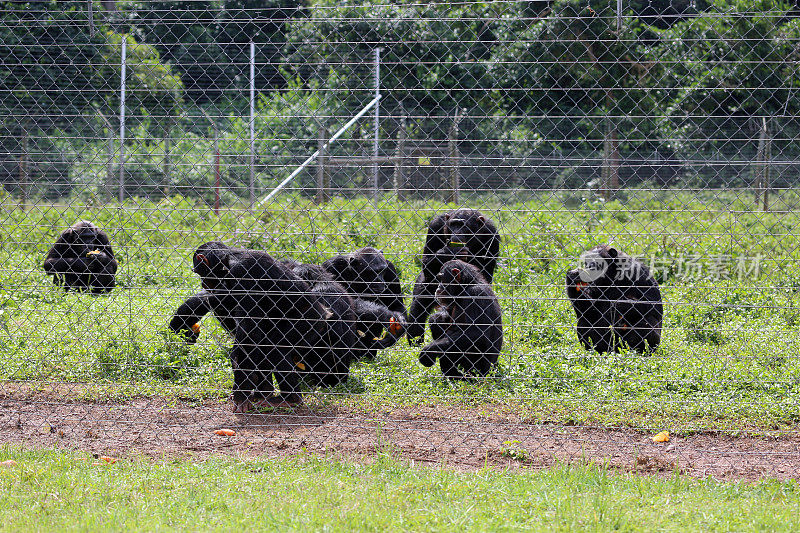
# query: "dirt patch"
[[459, 438]]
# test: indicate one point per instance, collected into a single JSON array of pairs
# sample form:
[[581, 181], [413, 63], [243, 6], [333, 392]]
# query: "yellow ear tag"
[[300, 365], [94, 252], [196, 327]]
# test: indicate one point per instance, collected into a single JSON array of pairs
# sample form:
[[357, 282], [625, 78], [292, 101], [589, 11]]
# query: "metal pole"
[[252, 124], [619, 16], [216, 171], [375, 194], [122, 121], [313, 156]]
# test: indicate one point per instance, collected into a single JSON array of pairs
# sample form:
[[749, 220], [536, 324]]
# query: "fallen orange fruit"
[[107, 459], [225, 432], [661, 437]]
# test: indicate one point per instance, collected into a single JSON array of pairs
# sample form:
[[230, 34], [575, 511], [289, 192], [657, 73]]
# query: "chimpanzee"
[[274, 317], [210, 261], [616, 300], [82, 259], [376, 326], [374, 283], [368, 275], [464, 234], [468, 331]]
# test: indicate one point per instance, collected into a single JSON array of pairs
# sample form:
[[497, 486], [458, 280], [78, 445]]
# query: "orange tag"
[[108, 459], [225, 432], [196, 327]]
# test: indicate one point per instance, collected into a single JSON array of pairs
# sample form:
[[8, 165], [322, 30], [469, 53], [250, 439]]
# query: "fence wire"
[[518, 231]]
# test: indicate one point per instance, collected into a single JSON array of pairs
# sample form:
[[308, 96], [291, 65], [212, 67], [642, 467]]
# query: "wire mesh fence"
[[518, 231]]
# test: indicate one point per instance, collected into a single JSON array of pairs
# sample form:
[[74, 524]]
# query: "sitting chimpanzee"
[[616, 300], [82, 259], [368, 275], [275, 319], [468, 331], [464, 234], [377, 327], [374, 283]]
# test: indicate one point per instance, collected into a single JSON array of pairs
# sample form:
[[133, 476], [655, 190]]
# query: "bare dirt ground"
[[461, 438]]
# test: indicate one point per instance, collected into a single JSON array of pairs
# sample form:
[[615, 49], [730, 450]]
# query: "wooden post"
[[323, 177], [216, 170], [399, 162], [23, 167], [609, 173], [453, 160], [108, 186], [759, 167]]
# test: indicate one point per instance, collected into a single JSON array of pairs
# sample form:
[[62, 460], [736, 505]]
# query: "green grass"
[[58, 491], [729, 359]]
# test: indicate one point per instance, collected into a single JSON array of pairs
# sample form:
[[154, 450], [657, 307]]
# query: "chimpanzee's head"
[[464, 228], [84, 234], [454, 278], [364, 272], [211, 263]]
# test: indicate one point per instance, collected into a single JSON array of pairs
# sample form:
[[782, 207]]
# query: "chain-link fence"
[[468, 231]]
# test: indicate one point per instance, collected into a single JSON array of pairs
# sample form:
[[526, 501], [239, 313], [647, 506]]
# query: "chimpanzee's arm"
[[186, 320]]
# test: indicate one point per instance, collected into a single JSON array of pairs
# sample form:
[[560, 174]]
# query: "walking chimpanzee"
[[616, 300], [275, 318], [464, 234], [82, 259], [468, 331]]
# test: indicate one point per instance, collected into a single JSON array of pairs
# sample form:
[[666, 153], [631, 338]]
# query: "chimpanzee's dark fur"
[[468, 331], [616, 300], [368, 275], [329, 363], [82, 259], [374, 283], [464, 234]]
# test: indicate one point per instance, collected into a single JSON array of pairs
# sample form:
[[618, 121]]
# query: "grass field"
[[57, 491], [729, 276]]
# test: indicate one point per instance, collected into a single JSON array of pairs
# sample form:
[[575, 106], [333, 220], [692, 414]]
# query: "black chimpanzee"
[[275, 319], [329, 363], [82, 259], [368, 275], [468, 331], [464, 234], [374, 283], [377, 327], [616, 300]]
